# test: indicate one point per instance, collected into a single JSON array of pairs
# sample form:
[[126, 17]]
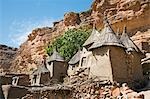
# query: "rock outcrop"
[[132, 13], [7, 54], [142, 39]]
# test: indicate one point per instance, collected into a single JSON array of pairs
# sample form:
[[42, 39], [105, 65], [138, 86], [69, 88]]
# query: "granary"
[[57, 66], [74, 63], [87, 55], [133, 58], [40, 76], [109, 61]]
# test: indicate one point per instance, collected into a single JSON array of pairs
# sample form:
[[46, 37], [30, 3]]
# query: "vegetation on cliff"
[[68, 44]]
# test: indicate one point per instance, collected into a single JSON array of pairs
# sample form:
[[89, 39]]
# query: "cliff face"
[[132, 13], [7, 54], [142, 40]]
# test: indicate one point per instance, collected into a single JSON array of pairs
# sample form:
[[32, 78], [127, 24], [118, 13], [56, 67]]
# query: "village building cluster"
[[106, 57], [109, 57]]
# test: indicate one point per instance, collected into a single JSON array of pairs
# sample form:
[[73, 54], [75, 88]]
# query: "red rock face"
[[122, 12], [71, 19], [132, 13], [142, 39]]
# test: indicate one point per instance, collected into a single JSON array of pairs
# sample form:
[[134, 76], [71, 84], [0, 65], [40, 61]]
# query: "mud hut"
[[87, 55], [74, 63], [57, 66], [20, 79], [85, 58], [133, 58], [109, 62], [40, 76]]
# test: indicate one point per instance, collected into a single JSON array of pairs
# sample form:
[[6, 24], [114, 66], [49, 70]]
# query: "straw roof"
[[107, 37], [41, 69], [128, 43], [92, 38], [76, 58], [56, 57]]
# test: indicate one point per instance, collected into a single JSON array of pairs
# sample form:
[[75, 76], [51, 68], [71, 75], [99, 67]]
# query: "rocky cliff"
[[7, 54], [135, 14]]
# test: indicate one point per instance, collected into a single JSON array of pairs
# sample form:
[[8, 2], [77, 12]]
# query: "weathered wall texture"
[[118, 62], [101, 64], [60, 70]]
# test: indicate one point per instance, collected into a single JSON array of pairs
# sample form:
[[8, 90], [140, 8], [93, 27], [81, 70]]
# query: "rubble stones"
[[87, 88]]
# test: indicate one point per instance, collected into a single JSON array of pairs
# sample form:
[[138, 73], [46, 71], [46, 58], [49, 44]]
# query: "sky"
[[19, 17]]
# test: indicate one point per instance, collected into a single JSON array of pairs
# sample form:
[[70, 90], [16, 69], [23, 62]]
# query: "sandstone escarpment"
[[132, 13], [7, 54], [142, 39]]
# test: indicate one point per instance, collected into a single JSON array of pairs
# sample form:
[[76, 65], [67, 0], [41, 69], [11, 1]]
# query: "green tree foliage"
[[68, 44]]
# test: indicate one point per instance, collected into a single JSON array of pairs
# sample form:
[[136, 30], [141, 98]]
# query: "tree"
[[68, 44]]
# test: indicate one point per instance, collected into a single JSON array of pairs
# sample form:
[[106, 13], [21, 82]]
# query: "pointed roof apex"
[[127, 42], [92, 38], [118, 33], [107, 37], [55, 57], [106, 22], [76, 58], [40, 69], [107, 26]]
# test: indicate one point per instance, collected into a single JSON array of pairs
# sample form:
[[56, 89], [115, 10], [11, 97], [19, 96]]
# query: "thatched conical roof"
[[92, 38], [56, 57], [76, 58], [107, 37], [40, 69], [127, 42]]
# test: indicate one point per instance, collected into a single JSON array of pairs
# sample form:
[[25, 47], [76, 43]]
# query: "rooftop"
[[75, 59], [92, 38], [107, 37], [56, 57], [127, 42]]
